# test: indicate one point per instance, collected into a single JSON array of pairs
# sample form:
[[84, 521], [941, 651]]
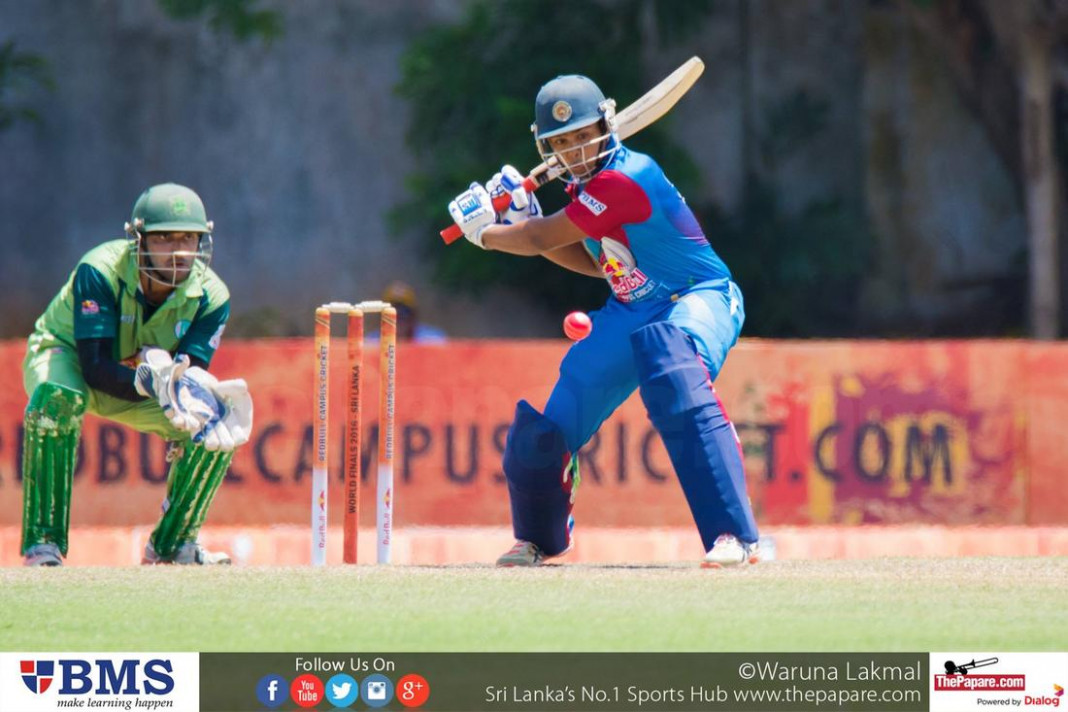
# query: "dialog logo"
[[307, 691], [342, 690], [376, 690], [272, 690], [37, 674]]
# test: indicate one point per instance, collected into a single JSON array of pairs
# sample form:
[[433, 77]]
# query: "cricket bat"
[[651, 106]]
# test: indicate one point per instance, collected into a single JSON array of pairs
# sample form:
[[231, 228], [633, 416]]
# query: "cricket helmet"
[[568, 103], [169, 207]]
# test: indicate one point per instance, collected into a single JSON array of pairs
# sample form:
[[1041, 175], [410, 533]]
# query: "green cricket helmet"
[[568, 103], [169, 207]]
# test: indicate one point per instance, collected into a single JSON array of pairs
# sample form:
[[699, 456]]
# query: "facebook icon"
[[272, 690]]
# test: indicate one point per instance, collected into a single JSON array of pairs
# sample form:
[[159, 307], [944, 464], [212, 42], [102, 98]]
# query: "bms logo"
[[37, 674], [101, 677]]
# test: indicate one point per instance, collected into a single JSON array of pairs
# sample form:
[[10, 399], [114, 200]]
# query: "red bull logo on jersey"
[[621, 270]]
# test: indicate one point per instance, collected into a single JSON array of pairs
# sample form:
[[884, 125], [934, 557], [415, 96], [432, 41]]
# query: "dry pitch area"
[[877, 605]]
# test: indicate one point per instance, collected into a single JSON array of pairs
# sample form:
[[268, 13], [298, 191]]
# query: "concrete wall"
[[297, 149]]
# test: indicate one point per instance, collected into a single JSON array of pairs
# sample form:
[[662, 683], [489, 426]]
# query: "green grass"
[[878, 605]]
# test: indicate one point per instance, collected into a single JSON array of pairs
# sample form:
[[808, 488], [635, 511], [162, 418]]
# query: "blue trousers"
[[657, 347], [599, 373]]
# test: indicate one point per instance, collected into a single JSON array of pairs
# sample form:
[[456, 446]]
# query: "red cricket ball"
[[577, 326]]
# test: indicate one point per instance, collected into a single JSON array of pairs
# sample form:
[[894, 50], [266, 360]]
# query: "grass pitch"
[[877, 605]]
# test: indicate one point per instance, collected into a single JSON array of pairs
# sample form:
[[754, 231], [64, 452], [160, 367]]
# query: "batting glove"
[[524, 205], [473, 211]]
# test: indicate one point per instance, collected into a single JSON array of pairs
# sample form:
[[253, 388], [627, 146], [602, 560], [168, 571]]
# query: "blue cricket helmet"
[[567, 103]]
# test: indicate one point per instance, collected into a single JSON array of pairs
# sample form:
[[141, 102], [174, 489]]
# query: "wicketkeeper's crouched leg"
[[53, 424], [701, 442], [194, 478], [542, 480]]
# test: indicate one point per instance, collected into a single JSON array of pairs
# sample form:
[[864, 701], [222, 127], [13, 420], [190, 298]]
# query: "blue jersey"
[[642, 233]]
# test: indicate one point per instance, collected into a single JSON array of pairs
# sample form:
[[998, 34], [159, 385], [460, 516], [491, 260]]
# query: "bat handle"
[[453, 232]]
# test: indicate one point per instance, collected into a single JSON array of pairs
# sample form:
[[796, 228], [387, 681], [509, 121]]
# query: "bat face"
[[660, 99]]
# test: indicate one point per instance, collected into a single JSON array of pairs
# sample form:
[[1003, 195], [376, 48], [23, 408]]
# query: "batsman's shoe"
[[43, 555], [728, 551], [190, 553], [523, 553]]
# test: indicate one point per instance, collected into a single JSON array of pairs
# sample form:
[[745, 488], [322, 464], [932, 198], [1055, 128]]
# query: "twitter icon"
[[342, 690]]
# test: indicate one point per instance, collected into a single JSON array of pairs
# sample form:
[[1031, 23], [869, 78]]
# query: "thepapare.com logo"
[[74, 676]]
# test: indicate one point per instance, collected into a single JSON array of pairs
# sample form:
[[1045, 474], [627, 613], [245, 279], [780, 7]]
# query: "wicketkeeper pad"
[[193, 480], [53, 423]]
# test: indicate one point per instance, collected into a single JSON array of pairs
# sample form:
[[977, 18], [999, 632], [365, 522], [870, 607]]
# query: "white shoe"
[[523, 553], [46, 554], [728, 551], [188, 553]]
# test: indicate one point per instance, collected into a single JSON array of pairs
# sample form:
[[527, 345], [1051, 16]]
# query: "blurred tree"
[[1005, 62], [238, 17], [469, 116], [20, 74], [800, 272]]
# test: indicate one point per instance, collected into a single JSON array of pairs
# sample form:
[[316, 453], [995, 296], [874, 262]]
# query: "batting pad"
[[540, 480], [699, 438]]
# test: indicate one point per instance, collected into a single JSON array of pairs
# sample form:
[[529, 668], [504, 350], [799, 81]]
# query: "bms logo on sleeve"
[[596, 206]]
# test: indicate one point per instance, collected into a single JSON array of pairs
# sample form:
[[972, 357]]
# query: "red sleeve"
[[608, 202]]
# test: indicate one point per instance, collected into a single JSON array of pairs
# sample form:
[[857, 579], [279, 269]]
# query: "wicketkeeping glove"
[[217, 413], [524, 205], [156, 377], [473, 211], [233, 426]]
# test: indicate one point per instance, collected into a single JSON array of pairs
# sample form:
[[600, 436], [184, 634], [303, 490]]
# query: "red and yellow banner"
[[833, 432]]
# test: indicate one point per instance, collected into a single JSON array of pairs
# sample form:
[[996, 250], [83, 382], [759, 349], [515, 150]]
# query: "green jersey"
[[103, 299]]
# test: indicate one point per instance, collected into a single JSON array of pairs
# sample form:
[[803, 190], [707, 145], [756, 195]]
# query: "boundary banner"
[[833, 433]]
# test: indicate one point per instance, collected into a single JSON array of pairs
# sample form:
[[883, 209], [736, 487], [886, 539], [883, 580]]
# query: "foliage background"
[[859, 165]]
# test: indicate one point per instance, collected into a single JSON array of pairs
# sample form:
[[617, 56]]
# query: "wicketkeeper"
[[673, 315], [129, 338]]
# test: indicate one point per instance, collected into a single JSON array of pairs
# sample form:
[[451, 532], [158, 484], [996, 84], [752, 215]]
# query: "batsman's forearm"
[[513, 239], [575, 258]]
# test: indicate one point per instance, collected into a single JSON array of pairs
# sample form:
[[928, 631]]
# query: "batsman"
[[673, 314], [129, 338]]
